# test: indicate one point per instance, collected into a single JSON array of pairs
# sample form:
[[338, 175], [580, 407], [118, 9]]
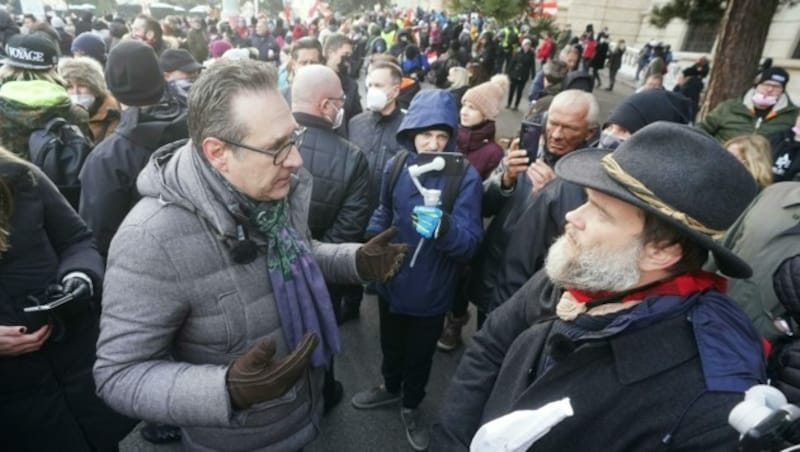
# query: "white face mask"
[[84, 100], [761, 100], [376, 99], [337, 121]]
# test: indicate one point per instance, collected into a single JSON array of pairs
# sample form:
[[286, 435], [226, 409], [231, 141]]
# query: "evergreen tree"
[[693, 12], [502, 10]]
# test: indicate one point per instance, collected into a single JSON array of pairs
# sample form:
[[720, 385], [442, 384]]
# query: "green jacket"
[[28, 105], [735, 117], [765, 235]]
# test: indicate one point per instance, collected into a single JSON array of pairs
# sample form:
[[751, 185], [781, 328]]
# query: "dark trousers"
[[461, 302], [515, 90], [460, 307], [612, 76], [596, 76], [408, 344], [345, 294], [509, 56]]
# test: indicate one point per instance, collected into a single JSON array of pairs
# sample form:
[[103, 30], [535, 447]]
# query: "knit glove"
[[378, 260], [257, 376], [430, 221]]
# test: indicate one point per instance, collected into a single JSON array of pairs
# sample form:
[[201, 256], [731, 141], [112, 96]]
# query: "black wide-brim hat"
[[678, 173]]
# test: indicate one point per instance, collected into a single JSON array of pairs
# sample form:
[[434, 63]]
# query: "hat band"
[[639, 190]]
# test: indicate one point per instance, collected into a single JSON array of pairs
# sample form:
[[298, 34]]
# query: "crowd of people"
[[189, 209]]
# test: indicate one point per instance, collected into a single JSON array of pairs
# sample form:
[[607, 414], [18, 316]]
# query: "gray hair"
[[576, 96], [211, 95], [555, 71]]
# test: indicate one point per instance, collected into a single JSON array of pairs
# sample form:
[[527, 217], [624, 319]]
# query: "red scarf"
[[683, 284]]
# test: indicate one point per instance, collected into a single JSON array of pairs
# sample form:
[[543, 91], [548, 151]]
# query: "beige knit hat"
[[487, 96]]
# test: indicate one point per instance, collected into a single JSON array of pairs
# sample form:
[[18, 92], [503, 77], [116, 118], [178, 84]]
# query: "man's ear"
[[660, 257], [592, 134], [215, 153]]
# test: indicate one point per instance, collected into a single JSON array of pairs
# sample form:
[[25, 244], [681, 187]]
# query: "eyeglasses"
[[281, 154], [340, 99]]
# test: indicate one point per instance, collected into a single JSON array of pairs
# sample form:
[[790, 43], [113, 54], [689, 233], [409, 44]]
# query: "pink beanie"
[[218, 47]]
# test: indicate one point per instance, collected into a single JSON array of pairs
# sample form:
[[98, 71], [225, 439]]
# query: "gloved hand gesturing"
[[378, 260], [257, 376], [430, 221]]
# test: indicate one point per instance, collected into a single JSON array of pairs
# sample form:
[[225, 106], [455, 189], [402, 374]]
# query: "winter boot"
[[451, 335]]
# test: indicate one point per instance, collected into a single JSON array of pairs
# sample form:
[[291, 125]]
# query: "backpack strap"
[[397, 167], [54, 123]]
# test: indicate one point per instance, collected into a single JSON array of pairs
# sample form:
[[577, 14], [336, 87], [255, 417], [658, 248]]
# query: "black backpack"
[[60, 149]]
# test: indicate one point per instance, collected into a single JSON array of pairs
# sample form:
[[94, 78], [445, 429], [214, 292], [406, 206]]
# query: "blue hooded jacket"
[[429, 288]]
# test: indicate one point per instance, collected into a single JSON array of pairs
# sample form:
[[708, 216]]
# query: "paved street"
[[346, 429]]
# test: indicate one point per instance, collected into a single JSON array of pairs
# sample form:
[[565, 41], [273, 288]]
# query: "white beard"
[[594, 270]]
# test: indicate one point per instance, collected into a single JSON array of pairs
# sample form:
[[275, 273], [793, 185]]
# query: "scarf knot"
[[272, 220]]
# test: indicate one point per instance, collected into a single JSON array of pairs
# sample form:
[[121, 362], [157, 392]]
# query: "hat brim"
[[20, 65], [191, 67], [583, 168]]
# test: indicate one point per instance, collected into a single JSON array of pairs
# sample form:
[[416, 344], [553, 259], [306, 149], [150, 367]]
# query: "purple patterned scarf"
[[304, 304]]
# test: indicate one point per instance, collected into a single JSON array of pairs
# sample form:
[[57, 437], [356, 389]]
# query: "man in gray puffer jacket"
[[215, 313]]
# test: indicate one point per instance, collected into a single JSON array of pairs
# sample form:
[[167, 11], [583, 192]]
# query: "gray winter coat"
[[177, 310]]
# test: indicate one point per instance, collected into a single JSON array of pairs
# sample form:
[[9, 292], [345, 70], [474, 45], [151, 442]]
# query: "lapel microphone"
[[244, 250]]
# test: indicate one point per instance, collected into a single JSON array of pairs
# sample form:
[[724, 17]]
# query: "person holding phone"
[[511, 192], [47, 393]]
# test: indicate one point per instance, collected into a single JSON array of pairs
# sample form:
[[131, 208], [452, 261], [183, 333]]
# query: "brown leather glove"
[[257, 377], [378, 260]]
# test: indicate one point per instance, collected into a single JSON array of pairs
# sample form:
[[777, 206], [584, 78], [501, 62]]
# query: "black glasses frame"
[[278, 156]]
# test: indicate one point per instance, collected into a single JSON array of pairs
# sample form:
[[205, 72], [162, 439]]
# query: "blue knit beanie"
[[91, 45]]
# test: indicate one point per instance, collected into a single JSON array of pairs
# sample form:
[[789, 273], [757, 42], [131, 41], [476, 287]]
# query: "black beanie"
[[775, 74], [133, 75], [649, 106]]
